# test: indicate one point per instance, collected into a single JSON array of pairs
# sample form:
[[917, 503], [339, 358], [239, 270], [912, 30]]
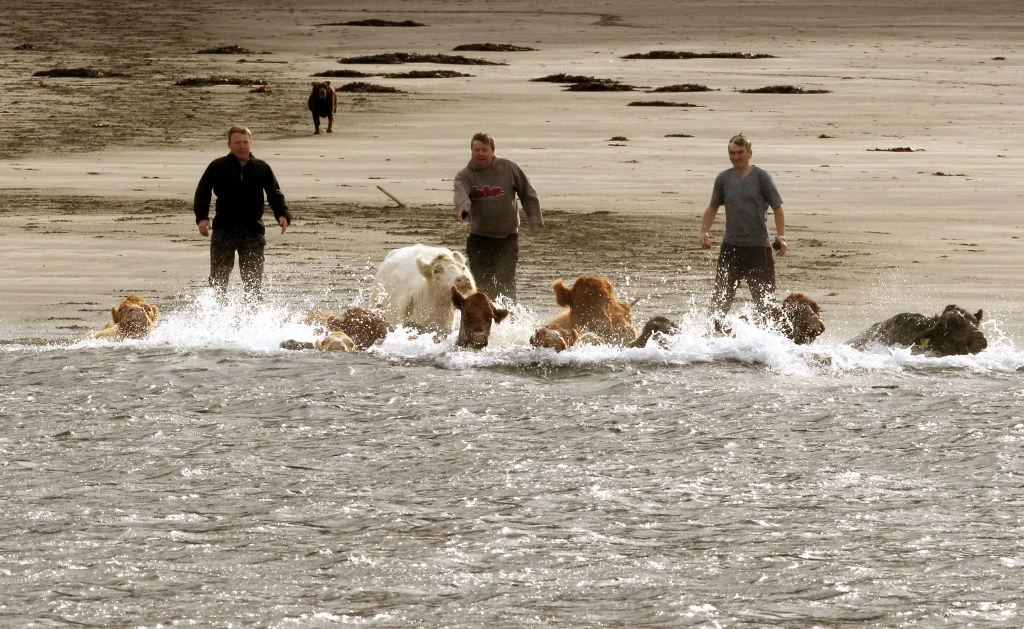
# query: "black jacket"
[[239, 191]]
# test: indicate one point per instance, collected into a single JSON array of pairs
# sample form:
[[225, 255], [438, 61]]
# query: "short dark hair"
[[741, 141], [486, 138], [238, 129]]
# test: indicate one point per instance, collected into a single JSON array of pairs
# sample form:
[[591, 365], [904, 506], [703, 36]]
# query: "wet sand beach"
[[897, 164]]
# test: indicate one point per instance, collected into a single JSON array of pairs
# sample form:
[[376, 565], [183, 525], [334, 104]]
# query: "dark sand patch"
[[678, 135]]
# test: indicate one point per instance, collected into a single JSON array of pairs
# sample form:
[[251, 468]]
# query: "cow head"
[[477, 315], [364, 327], [335, 342], [134, 317], [446, 270], [594, 308], [558, 339], [804, 316], [956, 331]]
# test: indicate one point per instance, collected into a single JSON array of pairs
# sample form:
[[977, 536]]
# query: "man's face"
[[240, 144], [739, 156], [483, 154]]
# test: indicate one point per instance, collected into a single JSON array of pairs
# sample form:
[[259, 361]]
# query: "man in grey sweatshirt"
[[485, 192]]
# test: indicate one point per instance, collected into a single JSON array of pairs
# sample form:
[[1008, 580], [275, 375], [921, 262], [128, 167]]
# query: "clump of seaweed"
[[683, 87], [492, 48], [208, 81], [77, 73], [566, 78], [680, 54], [226, 50], [659, 103], [782, 89], [375, 22], [410, 57], [599, 85], [349, 74], [898, 149], [426, 74], [368, 88]]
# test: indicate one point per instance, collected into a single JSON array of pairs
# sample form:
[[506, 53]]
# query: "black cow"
[[323, 103], [953, 332]]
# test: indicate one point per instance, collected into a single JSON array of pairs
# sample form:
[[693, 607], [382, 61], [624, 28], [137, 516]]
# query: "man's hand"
[[283, 222], [705, 240], [462, 215], [204, 227]]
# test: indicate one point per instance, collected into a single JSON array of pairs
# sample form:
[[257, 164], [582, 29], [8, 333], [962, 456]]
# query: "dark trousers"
[[223, 245], [492, 261], [756, 265]]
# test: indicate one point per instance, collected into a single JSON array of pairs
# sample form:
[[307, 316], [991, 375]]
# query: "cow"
[[323, 103], [133, 318], [592, 311], [477, 315], [362, 326], [953, 332], [413, 286]]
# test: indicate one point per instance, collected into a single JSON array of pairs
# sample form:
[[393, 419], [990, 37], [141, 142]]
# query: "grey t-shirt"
[[746, 201]]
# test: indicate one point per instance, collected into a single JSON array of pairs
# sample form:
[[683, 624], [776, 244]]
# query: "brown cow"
[[592, 311], [355, 327], [323, 103], [133, 318], [475, 321]]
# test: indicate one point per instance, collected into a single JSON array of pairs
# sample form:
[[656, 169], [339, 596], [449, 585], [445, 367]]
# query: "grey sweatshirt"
[[489, 196]]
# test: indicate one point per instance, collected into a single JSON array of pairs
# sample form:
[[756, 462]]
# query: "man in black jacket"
[[239, 180]]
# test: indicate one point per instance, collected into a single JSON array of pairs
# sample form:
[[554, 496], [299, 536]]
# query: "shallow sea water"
[[204, 477]]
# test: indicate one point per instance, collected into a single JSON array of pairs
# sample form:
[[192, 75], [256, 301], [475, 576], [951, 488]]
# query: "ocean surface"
[[205, 477]]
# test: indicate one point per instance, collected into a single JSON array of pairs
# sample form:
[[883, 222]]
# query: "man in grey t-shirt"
[[746, 254], [485, 194]]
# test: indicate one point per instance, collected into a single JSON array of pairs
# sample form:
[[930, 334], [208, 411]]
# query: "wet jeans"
[[756, 265], [223, 245], [492, 261]]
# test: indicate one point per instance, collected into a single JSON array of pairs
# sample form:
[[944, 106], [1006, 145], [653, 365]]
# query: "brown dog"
[[323, 103]]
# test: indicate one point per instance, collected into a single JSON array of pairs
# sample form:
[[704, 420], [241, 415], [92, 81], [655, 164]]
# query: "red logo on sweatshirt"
[[486, 192]]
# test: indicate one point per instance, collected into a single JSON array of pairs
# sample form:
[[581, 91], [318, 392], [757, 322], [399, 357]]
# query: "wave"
[[210, 323]]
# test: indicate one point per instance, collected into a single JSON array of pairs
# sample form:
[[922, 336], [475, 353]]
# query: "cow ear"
[[562, 293], [500, 314], [978, 315], [327, 83], [313, 83], [457, 298], [459, 257], [424, 267]]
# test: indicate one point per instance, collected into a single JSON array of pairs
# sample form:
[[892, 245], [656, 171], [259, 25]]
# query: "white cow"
[[414, 286]]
